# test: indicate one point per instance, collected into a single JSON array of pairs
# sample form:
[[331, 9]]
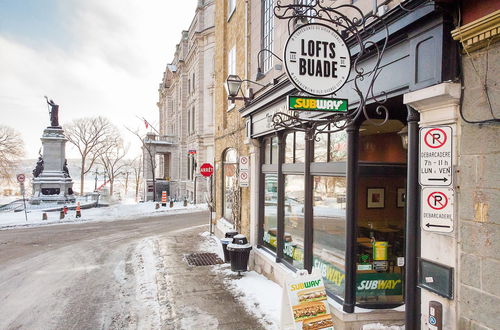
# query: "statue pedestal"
[[53, 184]]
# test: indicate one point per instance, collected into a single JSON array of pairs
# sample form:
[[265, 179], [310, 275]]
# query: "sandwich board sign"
[[304, 303], [435, 165]]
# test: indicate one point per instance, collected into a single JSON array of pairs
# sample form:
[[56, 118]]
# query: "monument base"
[[53, 184]]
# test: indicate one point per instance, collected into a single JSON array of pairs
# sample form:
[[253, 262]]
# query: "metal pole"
[[210, 202], [308, 200], [96, 173], [351, 214], [412, 305], [195, 177], [280, 235], [24, 202]]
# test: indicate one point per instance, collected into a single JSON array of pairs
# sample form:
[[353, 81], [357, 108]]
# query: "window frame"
[[267, 35]]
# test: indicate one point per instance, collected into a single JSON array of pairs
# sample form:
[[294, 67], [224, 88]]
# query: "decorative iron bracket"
[[358, 30]]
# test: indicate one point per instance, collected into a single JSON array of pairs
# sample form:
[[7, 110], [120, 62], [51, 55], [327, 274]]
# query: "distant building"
[[185, 139]]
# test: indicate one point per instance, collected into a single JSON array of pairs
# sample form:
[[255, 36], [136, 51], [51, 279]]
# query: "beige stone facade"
[[232, 40], [186, 109]]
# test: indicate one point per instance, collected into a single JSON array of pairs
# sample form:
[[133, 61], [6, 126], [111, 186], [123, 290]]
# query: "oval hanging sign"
[[317, 59]]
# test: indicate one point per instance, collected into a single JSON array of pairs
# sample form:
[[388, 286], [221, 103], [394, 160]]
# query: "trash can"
[[228, 239], [239, 252]]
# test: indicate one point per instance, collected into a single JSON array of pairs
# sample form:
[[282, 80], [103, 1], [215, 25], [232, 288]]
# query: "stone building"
[[232, 21], [186, 116]]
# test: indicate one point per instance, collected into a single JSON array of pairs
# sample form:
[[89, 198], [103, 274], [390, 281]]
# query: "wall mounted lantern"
[[403, 133], [233, 87]]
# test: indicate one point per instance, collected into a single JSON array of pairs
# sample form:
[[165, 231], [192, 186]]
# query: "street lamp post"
[[96, 176]]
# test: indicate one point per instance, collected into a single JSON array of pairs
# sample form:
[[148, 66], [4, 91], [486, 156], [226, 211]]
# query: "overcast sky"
[[92, 57]]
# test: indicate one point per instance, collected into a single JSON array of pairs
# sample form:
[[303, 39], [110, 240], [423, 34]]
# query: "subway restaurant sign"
[[317, 59], [317, 104]]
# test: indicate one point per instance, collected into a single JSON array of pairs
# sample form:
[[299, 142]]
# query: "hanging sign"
[[437, 209], [435, 156], [317, 59], [304, 303], [317, 104]]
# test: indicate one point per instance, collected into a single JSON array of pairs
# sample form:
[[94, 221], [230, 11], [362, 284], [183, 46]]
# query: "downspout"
[[412, 303]]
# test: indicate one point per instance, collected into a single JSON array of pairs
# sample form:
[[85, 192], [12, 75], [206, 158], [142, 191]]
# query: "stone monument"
[[51, 180]]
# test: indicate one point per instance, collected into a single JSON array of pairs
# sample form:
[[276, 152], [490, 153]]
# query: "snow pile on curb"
[[111, 213], [260, 296]]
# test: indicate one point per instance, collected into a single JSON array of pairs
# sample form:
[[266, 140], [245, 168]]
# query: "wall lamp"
[[403, 133], [233, 87], [260, 74]]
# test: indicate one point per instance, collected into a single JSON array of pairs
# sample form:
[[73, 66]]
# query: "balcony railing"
[[161, 139]]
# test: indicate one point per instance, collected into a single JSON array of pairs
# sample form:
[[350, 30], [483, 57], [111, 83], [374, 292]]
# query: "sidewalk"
[[208, 297]]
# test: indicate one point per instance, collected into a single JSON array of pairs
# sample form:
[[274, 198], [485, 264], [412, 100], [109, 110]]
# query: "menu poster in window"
[[305, 305]]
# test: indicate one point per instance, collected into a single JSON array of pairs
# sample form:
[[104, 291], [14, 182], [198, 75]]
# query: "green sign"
[[317, 104]]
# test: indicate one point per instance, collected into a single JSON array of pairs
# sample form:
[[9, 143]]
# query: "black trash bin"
[[226, 241], [239, 252]]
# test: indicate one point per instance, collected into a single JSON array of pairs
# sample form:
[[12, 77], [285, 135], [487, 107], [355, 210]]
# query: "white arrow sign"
[[437, 209], [435, 165]]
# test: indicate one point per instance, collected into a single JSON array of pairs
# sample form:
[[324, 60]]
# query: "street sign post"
[[21, 178], [435, 167], [244, 176], [437, 209]]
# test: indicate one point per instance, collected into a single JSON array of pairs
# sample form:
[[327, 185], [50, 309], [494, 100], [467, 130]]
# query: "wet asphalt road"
[[84, 276]]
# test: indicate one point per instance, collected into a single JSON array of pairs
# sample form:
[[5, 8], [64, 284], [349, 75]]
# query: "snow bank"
[[111, 213], [260, 296]]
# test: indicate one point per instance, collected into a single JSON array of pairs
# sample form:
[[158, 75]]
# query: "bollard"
[[171, 204], [44, 216], [157, 206], [65, 209], [78, 210], [61, 215], [185, 202]]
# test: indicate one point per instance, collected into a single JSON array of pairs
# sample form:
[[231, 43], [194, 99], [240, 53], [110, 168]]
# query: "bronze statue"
[[65, 168], [54, 113], [39, 167]]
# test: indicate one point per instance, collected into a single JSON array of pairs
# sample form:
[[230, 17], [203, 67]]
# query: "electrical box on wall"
[[436, 278]]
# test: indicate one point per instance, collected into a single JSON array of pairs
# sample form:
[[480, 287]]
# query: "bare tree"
[[150, 156], [136, 166], [112, 158], [89, 136], [11, 150]]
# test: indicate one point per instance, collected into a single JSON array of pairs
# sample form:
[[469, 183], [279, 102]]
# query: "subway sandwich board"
[[304, 303], [307, 103]]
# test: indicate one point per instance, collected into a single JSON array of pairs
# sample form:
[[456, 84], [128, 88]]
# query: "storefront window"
[[267, 151], [274, 150], [321, 148], [329, 211], [294, 220], [230, 184], [299, 147], [289, 147], [270, 210], [337, 147]]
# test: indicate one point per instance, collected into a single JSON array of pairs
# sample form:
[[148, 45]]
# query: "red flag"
[[146, 123]]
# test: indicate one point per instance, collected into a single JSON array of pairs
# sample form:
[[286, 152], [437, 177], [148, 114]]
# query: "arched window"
[[230, 183]]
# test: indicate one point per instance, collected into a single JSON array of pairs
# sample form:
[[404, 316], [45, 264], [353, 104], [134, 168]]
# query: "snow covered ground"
[[260, 296], [112, 213]]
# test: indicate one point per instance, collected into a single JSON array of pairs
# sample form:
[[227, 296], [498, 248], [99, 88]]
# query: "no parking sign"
[[437, 209]]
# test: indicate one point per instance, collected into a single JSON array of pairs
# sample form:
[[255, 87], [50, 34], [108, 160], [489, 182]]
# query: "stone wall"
[[479, 193]]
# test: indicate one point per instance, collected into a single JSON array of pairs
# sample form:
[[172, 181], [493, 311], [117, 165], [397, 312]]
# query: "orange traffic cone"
[[78, 210]]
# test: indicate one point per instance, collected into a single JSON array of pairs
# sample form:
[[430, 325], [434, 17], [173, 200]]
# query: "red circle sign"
[[435, 138], [437, 200], [20, 178], [206, 169]]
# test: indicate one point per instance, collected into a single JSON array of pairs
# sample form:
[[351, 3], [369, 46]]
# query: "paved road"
[[100, 275]]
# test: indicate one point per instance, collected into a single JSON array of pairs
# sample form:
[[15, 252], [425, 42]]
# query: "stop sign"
[[206, 169]]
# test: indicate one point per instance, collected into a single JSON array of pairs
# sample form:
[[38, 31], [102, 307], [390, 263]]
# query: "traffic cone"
[[78, 210]]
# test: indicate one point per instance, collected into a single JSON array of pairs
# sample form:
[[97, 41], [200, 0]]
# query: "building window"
[[231, 61], [193, 121], [194, 84], [230, 183], [294, 220], [267, 34], [231, 6], [270, 210], [329, 217]]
